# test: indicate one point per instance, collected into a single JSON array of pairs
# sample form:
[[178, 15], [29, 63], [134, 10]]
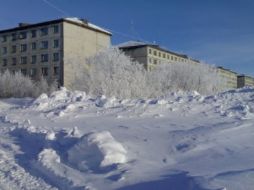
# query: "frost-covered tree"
[[17, 85], [112, 73]]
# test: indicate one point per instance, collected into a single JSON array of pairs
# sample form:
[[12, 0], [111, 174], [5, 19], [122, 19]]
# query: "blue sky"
[[219, 32]]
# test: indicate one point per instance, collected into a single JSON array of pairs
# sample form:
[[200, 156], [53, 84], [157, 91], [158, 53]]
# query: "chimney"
[[22, 24]]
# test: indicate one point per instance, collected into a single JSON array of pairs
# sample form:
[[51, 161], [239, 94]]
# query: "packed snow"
[[69, 140]]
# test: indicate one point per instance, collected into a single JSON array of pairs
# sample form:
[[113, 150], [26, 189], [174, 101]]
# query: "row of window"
[[33, 45], [165, 55], [33, 33], [24, 59], [33, 71]]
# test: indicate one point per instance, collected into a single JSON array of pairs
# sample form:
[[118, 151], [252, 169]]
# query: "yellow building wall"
[[80, 43]]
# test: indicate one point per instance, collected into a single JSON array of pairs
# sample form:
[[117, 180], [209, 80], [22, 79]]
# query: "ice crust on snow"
[[97, 149]]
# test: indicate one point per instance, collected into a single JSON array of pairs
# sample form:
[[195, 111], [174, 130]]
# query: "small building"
[[229, 76], [151, 54], [243, 80], [50, 48]]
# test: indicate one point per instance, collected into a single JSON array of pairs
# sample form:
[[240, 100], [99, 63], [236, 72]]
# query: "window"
[[56, 44], [14, 61], [14, 36], [4, 38], [23, 71], [22, 35], [44, 71], [44, 57], [150, 51], [33, 32], [4, 50], [23, 47], [44, 45], [56, 57], [44, 31], [154, 52], [167, 56], [13, 49], [56, 29], [155, 61], [164, 55], [175, 58], [33, 46], [23, 60], [172, 58], [32, 72], [56, 70], [159, 54], [34, 59], [5, 62], [150, 60]]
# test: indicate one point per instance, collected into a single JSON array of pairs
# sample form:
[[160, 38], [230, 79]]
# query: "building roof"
[[138, 44], [222, 68], [73, 20]]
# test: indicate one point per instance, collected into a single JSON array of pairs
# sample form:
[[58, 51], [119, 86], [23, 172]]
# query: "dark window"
[[56, 43], [4, 38], [56, 57], [150, 51], [13, 49], [14, 61], [44, 57], [159, 54], [56, 29], [56, 70], [34, 59], [33, 32], [164, 55], [33, 46], [23, 60], [14, 36], [44, 71], [22, 35], [44, 31], [23, 47], [32, 72], [23, 71], [44, 45], [5, 62], [155, 61], [4, 50]]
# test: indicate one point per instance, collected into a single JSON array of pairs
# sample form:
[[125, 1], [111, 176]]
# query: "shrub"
[[18, 86]]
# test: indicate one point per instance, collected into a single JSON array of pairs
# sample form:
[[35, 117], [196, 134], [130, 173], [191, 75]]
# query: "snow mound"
[[48, 156], [97, 150]]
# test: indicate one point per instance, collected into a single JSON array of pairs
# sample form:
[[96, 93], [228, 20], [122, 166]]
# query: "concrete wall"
[[230, 77], [79, 44]]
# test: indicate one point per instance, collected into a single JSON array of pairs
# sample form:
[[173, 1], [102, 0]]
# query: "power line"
[[56, 8]]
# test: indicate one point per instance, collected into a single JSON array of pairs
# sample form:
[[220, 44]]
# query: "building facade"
[[50, 49], [243, 80], [229, 76], [150, 54]]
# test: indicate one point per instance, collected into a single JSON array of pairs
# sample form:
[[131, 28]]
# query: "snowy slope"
[[183, 141]]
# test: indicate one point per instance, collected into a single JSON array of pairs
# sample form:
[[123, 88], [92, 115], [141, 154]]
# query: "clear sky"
[[219, 32]]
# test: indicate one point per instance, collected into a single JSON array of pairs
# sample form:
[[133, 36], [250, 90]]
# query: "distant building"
[[243, 80], [229, 76], [50, 48], [150, 54]]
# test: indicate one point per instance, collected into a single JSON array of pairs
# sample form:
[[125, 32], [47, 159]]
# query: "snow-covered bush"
[[112, 73], [17, 85]]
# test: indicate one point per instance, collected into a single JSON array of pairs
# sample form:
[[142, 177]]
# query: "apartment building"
[[243, 80], [50, 48], [229, 76], [150, 54]]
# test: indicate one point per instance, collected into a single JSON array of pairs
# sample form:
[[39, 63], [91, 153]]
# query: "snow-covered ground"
[[181, 142]]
